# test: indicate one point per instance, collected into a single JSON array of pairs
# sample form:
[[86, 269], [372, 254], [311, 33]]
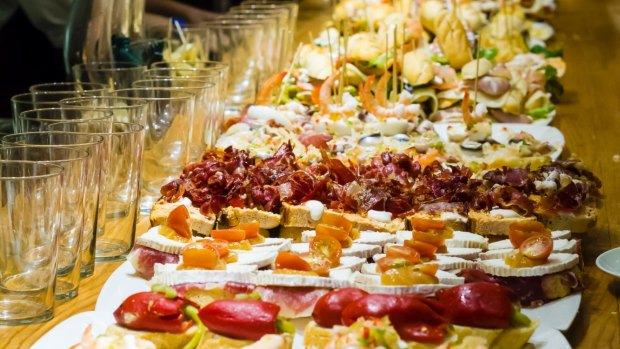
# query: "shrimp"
[[264, 94], [379, 106]]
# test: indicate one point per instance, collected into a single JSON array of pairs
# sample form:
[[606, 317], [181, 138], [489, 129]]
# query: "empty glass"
[[38, 119], [30, 199], [240, 46], [168, 137], [115, 75], [122, 109], [95, 182], [122, 187], [73, 186], [205, 109], [84, 88]]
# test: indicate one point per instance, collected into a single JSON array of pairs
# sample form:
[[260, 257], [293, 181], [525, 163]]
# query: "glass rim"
[[81, 154], [135, 128], [99, 139], [214, 24], [21, 116], [218, 64], [109, 66], [66, 102], [99, 86], [180, 78], [266, 16], [59, 170], [215, 70], [187, 95]]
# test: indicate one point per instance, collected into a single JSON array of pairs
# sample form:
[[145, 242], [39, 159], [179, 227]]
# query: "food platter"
[[69, 332]]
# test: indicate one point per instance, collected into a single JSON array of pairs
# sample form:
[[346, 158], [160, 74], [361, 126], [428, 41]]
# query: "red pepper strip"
[[148, 311], [241, 319]]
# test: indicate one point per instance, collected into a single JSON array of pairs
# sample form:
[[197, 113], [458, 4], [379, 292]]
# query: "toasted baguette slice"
[[291, 233], [317, 337], [233, 216], [485, 223], [297, 216], [199, 223], [365, 223], [514, 337], [162, 340], [449, 219], [212, 341], [579, 222]]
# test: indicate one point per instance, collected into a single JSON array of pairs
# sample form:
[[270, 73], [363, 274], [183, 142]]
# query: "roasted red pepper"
[[478, 304], [149, 311], [249, 320], [414, 317], [328, 309]]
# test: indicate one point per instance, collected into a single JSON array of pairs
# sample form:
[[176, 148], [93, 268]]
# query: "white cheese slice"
[[557, 262], [369, 284], [374, 278], [445, 262], [366, 237], [268, 278], [154, 240], [466, 239], [169, 275], [356, 250]]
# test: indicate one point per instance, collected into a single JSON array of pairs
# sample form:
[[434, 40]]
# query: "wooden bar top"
[[589, 117]]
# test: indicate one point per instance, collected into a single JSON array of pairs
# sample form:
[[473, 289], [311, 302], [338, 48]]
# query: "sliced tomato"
[[288, 260], [318, 262], [521, 231], [333, 231], [336, 219], [387, 263], [251, 229], [427, 224], [178, 220], [201, 256], [405, 252], [537, 247], [230, 235], [220, 245], [423, 248], [433, 237], [328, 247], [430, 269]]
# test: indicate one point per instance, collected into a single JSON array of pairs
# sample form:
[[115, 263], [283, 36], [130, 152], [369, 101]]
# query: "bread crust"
[[198, 222], [578, 222], [233, 216], [297, 216], [484, 223]]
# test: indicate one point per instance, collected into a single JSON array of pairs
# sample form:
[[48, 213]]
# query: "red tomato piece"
[[537, 247]]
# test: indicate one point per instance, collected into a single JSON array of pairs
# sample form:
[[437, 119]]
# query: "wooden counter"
[[589, 117]]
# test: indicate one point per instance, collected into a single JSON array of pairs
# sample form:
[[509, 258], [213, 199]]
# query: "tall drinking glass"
[[95, 181], [205, 109], [115, 75], [122, 187], [30, 199], [122, 109], [168, 138], [73, 186], [83, 88], [38, 119], [240, 46]]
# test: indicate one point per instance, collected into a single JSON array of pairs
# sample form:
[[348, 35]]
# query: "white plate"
[[558, 314], [121, 284], [501, 133], [609, 262], [69, 332]]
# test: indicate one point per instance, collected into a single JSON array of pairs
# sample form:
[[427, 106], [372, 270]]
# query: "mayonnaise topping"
[[381, 216], [316, 209], [504, 213]]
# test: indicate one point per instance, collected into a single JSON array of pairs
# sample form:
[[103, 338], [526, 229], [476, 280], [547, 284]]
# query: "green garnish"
[[436, 145], [550, 72], [285, 326], [441, 59], [351, 90], [192, 313], [542, 112], [488, 53], [168, 291], [539, 49], [380, 61], [248, 296], [552, 85], [518, 319]]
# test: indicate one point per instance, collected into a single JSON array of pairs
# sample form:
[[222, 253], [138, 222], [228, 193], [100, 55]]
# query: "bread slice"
[[577, 222], [297, 216], [212, 341], [317, 337], [291, 233], [199, 223], [449, 219], [486, 223], [365, 223], [232, 216], [162, 340]]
